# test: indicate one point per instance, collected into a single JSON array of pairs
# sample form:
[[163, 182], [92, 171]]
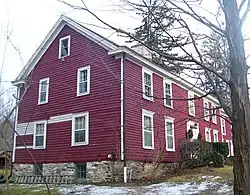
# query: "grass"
[[195, 175], [26, 190]]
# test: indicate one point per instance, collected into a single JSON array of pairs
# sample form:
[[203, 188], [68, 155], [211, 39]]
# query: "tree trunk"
[[240, 99]]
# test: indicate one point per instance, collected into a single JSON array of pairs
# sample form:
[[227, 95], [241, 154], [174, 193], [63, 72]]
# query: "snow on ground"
[[188, 188]]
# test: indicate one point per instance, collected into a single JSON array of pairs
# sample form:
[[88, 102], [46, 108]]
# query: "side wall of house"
[[135, 103], [102, 104]]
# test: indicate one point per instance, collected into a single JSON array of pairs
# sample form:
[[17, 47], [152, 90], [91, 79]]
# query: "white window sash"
[[170, 94], [39, 135], [60, 46], [216, 134], [79, 79], [144, 84], [150, 115], [40, 91], [214, 117], [206, 111], [208, 133], [86, 142], [169, 120], [223, 126], [191, 104]]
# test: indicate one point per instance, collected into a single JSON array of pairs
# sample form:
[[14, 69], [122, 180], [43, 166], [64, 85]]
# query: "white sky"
[[28, 22]]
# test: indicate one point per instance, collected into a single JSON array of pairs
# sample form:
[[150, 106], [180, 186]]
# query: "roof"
[[113, 49]]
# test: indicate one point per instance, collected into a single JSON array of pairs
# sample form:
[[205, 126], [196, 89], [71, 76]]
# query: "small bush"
[[221, 148]]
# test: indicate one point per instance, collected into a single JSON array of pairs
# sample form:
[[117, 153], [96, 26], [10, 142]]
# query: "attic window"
[[64, 47]]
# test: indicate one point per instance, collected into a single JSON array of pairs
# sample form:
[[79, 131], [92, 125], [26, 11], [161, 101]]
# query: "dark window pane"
[[83, 87], [64, 47], [81, 171], [79, 136], [39, 140]]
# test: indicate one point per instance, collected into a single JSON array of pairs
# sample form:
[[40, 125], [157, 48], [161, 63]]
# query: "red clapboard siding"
[[24, 140], [134, 105], [103, 102]]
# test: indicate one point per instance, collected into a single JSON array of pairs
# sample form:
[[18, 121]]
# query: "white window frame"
[[206, 110], [164, 93], [47, 91], [44, 135], [223, 123], [209, 133], [214, 111], [216, 133], [170, 120], [88, 80], [151, 115], [191, 103], [60, 44], [85, 114], [143, 84]]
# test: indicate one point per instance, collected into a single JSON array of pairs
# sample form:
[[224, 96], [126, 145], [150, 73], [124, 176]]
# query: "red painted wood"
[[24, 140], [134, 105], [103, 102]]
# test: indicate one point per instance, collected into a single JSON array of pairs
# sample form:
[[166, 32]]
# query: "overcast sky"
[[28, 22]]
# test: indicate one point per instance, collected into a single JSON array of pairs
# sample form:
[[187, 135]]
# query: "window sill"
[[191, 114], [62, 57], [79, 144], [82, 94], [206, 120], [42, 103], [170, 150], [167, 106], [39, 148], [148, 98], [148, 148]]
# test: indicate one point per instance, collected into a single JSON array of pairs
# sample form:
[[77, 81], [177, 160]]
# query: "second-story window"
[[147, 85], [43, 91], [191, 103], [223, 126], [64, 47], [39, 137], [206, 111], [83, 81], [168, 94], [214, 112]]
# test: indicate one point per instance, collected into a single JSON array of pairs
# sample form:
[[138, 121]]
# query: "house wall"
[[135, 103], [103, 103]]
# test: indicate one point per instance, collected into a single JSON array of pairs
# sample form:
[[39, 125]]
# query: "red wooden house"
[[86, 101]]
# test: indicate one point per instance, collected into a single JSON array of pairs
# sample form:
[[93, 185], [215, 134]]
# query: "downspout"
[[123, 119], [14, 134]]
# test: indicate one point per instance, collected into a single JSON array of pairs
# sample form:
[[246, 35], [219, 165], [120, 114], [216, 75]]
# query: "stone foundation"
[[97, 172]]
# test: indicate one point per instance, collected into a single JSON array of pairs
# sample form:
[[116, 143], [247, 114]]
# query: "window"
[[216, 136], [168, 94], [39, 138], [64, 47], [207, 134], [43, 91], [191, 104], [80, 129], [148, 131], [223, 126], [81, 170], [147, 84], [83, 81], [206, 111], [169, 130], [214, 112]]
